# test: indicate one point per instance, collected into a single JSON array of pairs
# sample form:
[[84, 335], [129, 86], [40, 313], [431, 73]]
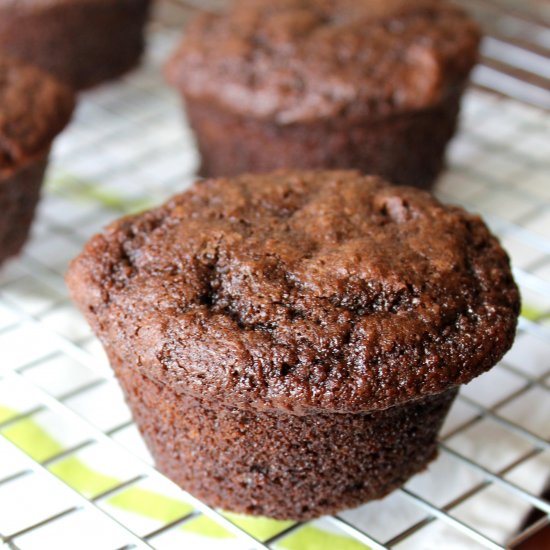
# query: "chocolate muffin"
[[291, 343], [34, 108], [81, 42], [359, 84]]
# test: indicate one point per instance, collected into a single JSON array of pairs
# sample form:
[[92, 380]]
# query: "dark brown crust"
[[301, 291], [19, 196], [81, 43], [322, 84], [406, 149], [301, 60], [276, 464], [34, 108]]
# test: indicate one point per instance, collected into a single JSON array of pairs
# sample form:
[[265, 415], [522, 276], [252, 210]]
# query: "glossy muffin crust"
[[298, 60], [81, 42], [291, 343], [301, 291], [326, 84], [34, 108]]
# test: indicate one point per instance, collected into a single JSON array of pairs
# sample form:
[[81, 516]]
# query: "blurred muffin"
[[291, 343], [81, 42], [34, 108], [359, 84]]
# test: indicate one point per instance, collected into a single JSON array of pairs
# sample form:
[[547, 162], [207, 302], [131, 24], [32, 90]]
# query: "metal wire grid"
[[115, 120]]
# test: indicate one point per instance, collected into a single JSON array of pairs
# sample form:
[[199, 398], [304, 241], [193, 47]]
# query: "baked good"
[[81, 42], [362, 84], [290, 343], [34, 108]]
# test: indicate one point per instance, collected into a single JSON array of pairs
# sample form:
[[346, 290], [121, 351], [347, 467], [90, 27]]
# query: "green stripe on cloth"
[[308, 537], [259, 527], [206, 527], [312, 538], [151, 505], [531, 313], [34, 441], [6, 414], [84, 191], [80, 477]]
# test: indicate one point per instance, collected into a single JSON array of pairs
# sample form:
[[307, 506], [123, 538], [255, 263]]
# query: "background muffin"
[[82, 42], [34, 108], [326, 84], [290, 343]]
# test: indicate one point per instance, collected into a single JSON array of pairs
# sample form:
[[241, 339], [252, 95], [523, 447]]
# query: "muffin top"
[[34, 108], [302, 291], [300, 60]]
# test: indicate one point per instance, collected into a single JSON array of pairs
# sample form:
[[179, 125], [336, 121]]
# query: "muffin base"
[[279, 465], [81, 43], [406, 149], [19, 195]]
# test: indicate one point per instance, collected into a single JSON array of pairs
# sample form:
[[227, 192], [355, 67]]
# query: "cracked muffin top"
[[301, 291], [298, 60], [34, 108]]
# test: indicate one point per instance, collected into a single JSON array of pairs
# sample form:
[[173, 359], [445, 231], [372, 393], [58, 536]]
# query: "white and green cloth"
[[127, 149]]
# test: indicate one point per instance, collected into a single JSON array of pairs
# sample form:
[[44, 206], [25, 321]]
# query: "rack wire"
[[128, 148]]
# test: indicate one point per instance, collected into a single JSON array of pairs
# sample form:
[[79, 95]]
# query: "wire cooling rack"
[[73, 470]]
